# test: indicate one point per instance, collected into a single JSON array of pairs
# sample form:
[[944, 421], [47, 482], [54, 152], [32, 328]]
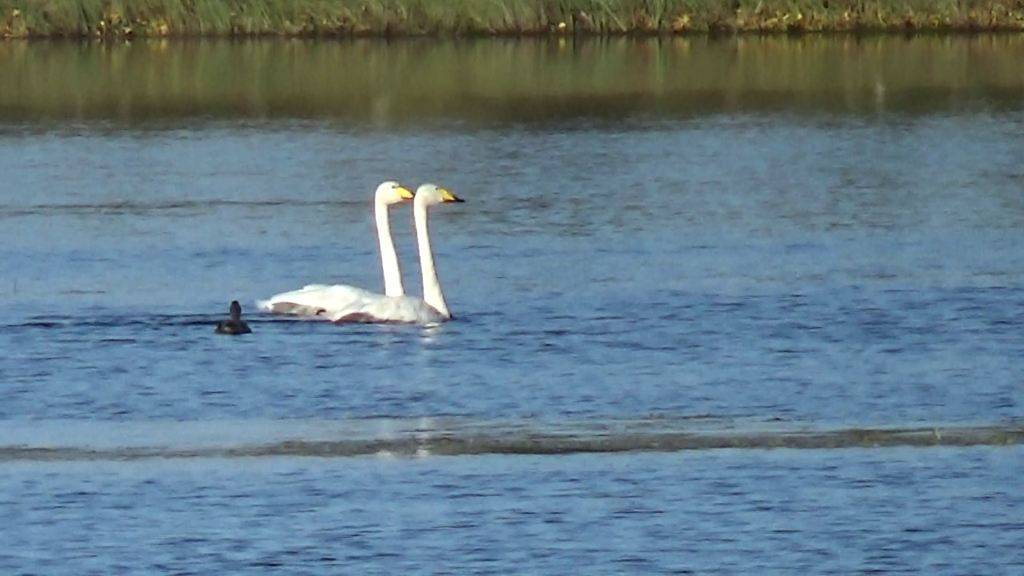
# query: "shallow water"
[[663, 244]]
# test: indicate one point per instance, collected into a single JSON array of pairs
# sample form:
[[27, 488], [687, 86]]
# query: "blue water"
[[757, 272], [894, 511], [825, 270]]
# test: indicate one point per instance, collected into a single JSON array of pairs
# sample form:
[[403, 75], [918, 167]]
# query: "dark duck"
[[234, 325]]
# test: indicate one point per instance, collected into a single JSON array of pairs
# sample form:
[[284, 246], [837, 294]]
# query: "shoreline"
[[113, 19]]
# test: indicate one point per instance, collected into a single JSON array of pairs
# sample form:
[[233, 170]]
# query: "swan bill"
[[447, 196], [404, 193]]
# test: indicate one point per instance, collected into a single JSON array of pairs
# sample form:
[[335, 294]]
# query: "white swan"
[[428, 195], [320, 299], [404, 309]]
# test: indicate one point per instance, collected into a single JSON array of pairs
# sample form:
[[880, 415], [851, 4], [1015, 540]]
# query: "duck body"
[[234, 325]]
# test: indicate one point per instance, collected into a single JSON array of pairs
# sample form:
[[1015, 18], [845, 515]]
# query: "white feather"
[[341, 303]]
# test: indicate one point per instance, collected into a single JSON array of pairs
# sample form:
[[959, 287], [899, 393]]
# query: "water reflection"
[[376, 83]]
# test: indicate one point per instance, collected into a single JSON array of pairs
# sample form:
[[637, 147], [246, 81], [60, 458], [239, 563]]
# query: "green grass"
[[159, 18]]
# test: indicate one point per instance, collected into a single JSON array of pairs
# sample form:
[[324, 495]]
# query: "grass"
[[315, 18]]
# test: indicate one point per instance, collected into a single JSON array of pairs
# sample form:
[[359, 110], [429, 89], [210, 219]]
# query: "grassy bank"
[[158, 18]]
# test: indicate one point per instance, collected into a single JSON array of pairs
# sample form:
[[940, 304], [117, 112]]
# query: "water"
[[897, 511], [677, 245], [823, 270]]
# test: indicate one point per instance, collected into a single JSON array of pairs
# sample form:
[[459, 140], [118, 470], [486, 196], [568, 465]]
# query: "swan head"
[[430, 194], [392, 192]]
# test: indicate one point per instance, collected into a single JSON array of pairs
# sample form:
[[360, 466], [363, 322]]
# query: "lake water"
[[684, 244]]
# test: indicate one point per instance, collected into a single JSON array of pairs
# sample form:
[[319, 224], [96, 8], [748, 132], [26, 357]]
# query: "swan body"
[[340, 303], [317, 299]]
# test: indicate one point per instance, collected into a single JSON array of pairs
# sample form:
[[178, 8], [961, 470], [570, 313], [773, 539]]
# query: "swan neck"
[[431, 286], [388, 256]]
